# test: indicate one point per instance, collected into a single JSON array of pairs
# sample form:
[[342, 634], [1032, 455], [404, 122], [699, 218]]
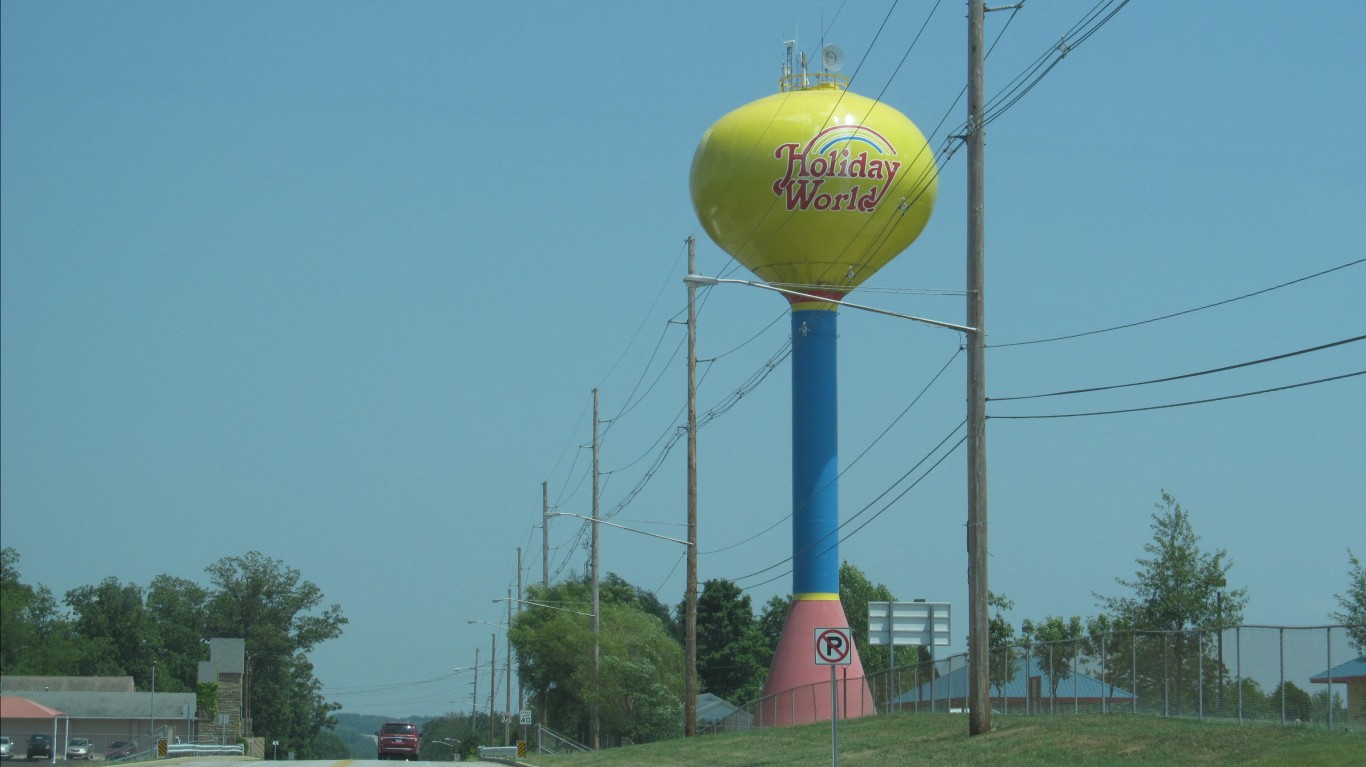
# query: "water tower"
[[813, 189]]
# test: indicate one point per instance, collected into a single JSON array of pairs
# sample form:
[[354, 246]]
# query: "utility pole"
[[507, 690], [474, 698], [690, 594], [545, 536], [493, 679], [597, 664], [979, 706], [520, 705]]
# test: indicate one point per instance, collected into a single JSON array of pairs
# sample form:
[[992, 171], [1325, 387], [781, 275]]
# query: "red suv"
[[398, 740]]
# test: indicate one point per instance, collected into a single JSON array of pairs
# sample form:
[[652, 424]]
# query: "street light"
[[489, 623], [543, 604], [619, 527], [700, 280]]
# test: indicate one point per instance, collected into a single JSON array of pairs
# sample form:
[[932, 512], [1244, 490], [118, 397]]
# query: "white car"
[[79, 748], [6, 747]]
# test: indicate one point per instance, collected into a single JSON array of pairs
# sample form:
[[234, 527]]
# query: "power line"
[[1178, 404], [857, 458], [879, 513], [1183, 312], [1223, 369], [870, 504]]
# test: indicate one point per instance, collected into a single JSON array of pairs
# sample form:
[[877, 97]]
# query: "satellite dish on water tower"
[[832, 58]]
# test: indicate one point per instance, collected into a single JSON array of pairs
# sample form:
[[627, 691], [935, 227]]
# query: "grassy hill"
[[942, 739]]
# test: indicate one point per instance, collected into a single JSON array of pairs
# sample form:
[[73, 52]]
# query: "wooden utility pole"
[[690, 594], [979, 658], [493, 679], [545, 536], [507, 691], [597, 665], [474, 697], [520, 699]]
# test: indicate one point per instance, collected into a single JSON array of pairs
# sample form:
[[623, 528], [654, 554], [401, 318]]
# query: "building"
[[716, 714], [226, 671], [1353, 674], [101, 709], [1030, 689]]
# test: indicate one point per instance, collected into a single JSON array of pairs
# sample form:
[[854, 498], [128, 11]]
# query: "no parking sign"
[[833, 646]]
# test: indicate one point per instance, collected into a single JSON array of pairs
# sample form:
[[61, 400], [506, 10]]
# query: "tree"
[[1055, 644], [112, 628], [1353, 612], [856, 592], [177, 612], [1001, 641], [17, 630], [640, 686], [1290, 703], [770, 624], [328, 745], [615, 590], [638, 691], [1107, 640], [270, 606], [1179, 586], [1255, 703], [35, 637], [1321, 704], [731, 662]]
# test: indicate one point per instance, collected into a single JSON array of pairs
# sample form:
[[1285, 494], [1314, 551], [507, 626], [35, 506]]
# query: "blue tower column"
[[815, 456], [797, 690]]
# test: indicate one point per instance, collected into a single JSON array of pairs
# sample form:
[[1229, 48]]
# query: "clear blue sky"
[[334, 282]]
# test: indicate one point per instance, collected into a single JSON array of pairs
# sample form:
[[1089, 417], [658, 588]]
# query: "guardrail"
[[497, 752], [204, 749]]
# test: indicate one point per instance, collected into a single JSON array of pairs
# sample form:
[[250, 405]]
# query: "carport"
[[21, 714]]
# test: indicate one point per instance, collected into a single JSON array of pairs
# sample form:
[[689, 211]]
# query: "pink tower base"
[[798, 690]]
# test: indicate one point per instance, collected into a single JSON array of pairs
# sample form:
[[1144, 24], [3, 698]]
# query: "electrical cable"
[[1178, 404], [1180, 313], [1210, 371], [879, 513]]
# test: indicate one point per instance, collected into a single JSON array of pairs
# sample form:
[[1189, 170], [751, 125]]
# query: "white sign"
[[526, 717], [833, 646], [507, 717], [922, 624]]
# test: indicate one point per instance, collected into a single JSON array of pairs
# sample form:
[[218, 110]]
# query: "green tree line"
[[124, 629], [1177, 587]]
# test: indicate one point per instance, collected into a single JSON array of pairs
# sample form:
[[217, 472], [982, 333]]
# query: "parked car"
[[119, 749], [79, 748], [39, 746], [6, 747], [398, 740]]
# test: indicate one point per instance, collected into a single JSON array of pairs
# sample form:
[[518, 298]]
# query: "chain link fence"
[[1310, 676]]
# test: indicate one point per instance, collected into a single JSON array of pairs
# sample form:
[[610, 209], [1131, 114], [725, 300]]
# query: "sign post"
[[834, 647]]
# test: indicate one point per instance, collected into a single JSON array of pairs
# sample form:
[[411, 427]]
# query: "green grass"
[[942, 739]]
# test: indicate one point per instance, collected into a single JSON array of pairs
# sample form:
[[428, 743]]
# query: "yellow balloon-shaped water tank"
[[818, 187]]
